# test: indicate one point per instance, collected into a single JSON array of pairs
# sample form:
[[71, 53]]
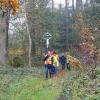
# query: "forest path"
[[26, 86]]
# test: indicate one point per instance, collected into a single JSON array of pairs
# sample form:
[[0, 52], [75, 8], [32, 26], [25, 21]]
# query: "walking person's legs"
[[68, 66], [53, 70], [49, 70], [46, 71], [63, 66]]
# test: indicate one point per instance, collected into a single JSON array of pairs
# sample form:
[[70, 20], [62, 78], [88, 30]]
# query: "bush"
[[16, 62]]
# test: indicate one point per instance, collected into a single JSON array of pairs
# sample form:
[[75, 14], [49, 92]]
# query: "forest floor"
[[30, 84]]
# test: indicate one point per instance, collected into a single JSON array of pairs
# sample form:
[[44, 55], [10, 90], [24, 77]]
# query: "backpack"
[[56, 60], [49, 60]]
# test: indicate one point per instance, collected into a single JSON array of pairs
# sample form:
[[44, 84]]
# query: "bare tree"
[[4, 25], [66, 17], [86, 4], [92, 2], [79, 5], [52, 5], [29, 32]]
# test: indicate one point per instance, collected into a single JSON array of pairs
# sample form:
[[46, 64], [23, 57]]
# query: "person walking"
[[63, 61], [55, 61], [48, 65]]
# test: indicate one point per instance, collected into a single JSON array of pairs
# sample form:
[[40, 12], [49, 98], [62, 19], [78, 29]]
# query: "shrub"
[[16, 62]]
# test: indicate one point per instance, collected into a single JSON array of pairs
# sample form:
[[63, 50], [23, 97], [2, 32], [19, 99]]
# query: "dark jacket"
[[63, 60], [46, 57]]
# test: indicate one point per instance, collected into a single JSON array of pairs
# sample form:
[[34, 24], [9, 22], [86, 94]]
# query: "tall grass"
[[27, 84]]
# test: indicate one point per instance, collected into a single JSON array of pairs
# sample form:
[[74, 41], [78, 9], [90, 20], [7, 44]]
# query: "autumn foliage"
[[74, 62], [88, 50], [13, 4]]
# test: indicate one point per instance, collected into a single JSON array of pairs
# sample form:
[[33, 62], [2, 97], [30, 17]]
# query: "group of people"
[[52, 62]]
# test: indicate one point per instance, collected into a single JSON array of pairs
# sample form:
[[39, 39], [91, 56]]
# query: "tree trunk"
[[31, 21], [92, 2], [30, 47], [52, 5], [66, 24], [79, 5], [29, 38], [73, 7], [86, 4], [4, 18]]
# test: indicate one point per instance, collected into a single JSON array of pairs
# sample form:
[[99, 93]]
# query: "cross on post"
[[47, 36]]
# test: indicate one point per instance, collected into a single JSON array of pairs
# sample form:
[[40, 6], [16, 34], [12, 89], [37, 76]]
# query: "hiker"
[[48, 64], [51, 66], [63, 61], [46, 56], [55, 61]]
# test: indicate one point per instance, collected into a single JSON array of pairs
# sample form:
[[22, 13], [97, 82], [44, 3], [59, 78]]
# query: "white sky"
[[63, 1], [59, 1]]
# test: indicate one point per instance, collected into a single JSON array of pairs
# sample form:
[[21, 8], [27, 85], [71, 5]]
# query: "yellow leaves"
[[73, 61], [13, 4], [4, 3], [18, 51]]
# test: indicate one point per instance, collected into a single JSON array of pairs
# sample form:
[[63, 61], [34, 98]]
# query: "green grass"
[[30, 84], [81, 87], [36, 89], [27, 86]]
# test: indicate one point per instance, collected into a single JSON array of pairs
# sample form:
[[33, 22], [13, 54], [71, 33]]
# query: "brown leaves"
[[77, 17], [73, 61], [87, 47], [13, 4]]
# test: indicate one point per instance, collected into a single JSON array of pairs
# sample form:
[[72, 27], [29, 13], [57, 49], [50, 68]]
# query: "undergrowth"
[[81, 87], [30, 84], [27, 84]]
